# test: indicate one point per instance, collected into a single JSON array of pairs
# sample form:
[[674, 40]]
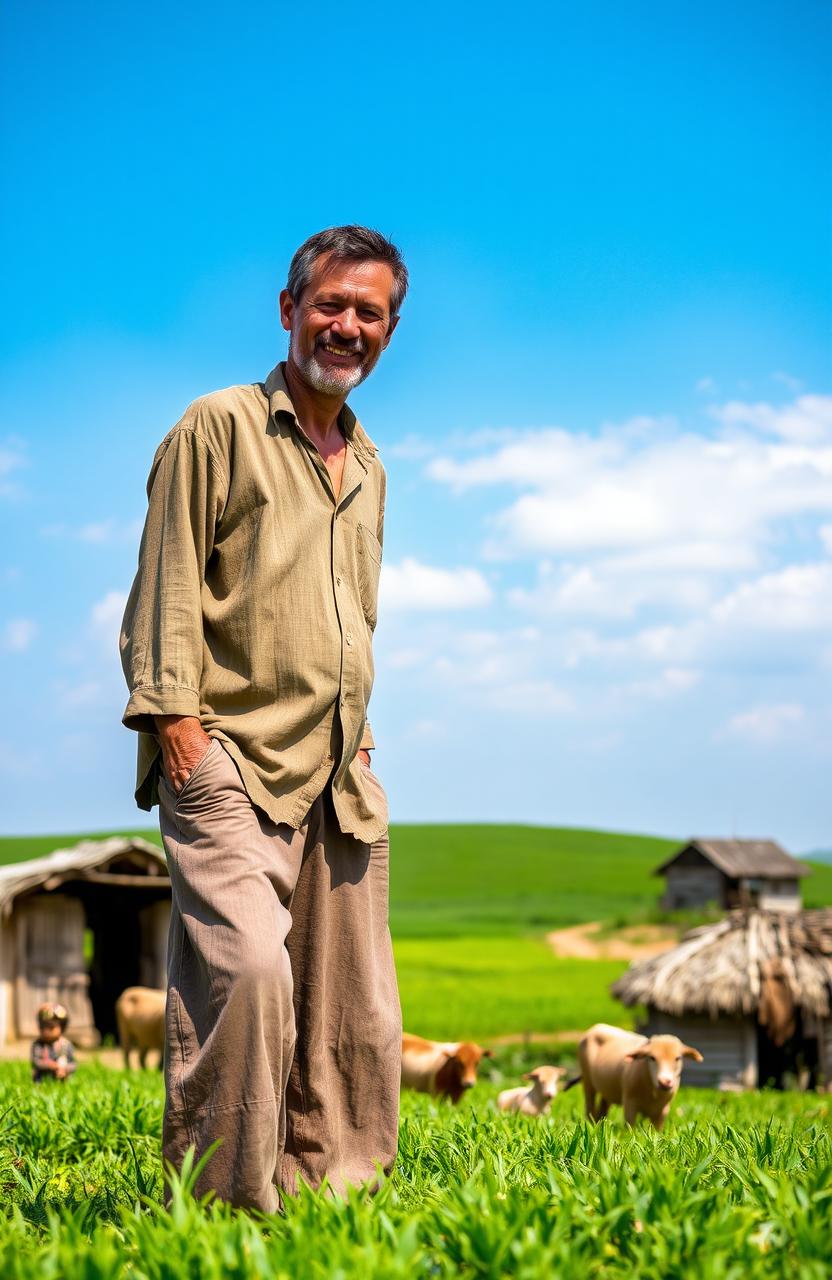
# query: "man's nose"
[[346, 324]]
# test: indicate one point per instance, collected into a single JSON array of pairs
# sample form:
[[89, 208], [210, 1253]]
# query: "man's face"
[[50, 1031], [340, 324]]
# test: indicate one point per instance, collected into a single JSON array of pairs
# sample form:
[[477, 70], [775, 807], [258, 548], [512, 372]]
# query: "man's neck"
[[317, 413]]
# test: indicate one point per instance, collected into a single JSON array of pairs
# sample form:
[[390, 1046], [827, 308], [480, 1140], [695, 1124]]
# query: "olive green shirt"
[[254, 603]]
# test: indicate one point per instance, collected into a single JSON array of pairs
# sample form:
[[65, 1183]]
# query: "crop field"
[[736, 1186]]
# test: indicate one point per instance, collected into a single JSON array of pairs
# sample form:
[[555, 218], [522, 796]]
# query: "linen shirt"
[[255, 600]]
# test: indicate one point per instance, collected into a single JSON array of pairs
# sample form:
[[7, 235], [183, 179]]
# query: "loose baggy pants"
[[283, 1035]]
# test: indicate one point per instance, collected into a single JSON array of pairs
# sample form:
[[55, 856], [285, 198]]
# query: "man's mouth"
[[339, 353]]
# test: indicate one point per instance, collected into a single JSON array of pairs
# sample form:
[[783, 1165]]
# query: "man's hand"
[[184, 742], [364, 756]]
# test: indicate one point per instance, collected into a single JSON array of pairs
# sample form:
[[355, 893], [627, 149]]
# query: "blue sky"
[[607, 594]]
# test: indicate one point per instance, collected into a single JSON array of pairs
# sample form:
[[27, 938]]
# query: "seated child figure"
[[52, 1054]]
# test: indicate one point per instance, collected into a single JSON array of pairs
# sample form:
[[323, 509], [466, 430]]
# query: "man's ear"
[[391, 326], [287, 309], [689, 1052]]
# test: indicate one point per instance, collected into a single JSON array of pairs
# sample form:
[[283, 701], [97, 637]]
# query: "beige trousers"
[[283, 1021]]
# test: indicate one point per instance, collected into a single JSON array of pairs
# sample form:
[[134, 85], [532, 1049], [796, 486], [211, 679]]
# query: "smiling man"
[[247, 647]]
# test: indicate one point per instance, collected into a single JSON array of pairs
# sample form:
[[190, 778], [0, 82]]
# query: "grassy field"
[[735, 1186]]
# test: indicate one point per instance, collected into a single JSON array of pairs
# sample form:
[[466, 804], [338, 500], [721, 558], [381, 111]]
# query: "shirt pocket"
[[368, 565]]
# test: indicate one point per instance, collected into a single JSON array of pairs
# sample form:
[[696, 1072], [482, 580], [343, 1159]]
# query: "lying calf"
[[643, 1075], [535, 1099], [444, 1069]]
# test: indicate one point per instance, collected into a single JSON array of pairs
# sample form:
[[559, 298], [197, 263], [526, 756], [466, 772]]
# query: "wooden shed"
[[78, 926], [753, 993], [732, 873]]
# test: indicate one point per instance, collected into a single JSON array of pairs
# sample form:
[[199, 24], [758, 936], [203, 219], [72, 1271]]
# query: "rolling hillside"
[[450, 880]]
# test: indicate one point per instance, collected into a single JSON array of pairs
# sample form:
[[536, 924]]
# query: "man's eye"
[[329, 307], [370, 316]]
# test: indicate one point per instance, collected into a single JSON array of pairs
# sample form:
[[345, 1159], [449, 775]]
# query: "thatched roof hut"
[[78, 926], [756, 987]]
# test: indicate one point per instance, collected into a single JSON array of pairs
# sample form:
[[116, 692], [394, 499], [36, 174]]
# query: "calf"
[[140, 1014], [446, 1070], [533, 1101], [643, 1075]]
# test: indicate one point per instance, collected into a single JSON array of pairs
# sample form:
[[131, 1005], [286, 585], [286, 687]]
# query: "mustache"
[[355, 346]]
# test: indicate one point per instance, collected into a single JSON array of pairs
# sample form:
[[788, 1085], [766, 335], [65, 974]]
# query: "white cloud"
[[411, 585], [706, 385], [89, 693], [18, 634], [808, 420], [787, 380], [765, 724], [647, 488], [825, 532], [668, 683], [530, 698], [798, 598], [105, 625], [96, 533], [12, 458]]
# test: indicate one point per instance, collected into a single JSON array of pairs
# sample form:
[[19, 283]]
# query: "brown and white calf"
[[642, 1074], [536, 1098], [446, 1069]]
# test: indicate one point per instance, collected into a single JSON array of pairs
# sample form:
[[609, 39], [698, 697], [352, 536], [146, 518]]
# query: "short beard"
[[328, 382]]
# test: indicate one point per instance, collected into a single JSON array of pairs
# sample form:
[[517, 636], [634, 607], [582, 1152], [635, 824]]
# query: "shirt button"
[[337, 582], [348, 637]]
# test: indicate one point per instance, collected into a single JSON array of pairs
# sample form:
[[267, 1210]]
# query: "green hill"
[[448, 880]]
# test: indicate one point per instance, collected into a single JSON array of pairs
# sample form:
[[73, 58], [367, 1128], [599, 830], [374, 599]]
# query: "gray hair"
[[348, 244]]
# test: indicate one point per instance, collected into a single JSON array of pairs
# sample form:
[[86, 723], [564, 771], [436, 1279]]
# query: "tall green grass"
[[479, 987], [735, 1187]]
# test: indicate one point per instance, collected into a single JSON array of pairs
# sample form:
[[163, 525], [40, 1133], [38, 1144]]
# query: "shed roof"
[[87, 855], [721, 968], [736, 858]]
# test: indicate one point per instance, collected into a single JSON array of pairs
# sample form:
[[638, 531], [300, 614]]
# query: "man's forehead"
[[362, 279]]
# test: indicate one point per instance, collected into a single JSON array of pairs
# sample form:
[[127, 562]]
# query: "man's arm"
[[161, 637], [367, 740]]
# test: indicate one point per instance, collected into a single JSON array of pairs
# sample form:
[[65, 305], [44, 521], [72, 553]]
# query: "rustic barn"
[[78, 926], [753, 993], [732, 873]]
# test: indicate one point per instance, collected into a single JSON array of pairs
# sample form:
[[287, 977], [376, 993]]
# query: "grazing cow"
[[446, 1070], [535, 1099], [623, 1067], [140, 1013]]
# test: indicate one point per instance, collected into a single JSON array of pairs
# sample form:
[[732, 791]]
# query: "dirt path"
[[638, 942]]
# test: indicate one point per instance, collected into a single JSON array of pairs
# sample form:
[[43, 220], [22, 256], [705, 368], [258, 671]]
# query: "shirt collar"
[[280, 402]]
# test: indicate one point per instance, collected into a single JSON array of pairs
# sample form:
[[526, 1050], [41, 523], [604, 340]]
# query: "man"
[[247, 646]]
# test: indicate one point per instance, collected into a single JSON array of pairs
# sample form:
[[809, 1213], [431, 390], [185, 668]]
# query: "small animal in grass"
[[445, 1069], [535, 1098], [642, 1074], [140, 1014], [53, 1057]]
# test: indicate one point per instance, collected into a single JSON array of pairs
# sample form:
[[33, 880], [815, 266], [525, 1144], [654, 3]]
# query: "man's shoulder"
[[222, 409], [216, 417]]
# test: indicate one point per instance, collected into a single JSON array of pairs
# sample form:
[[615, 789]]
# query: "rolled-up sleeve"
[[161, 635]]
